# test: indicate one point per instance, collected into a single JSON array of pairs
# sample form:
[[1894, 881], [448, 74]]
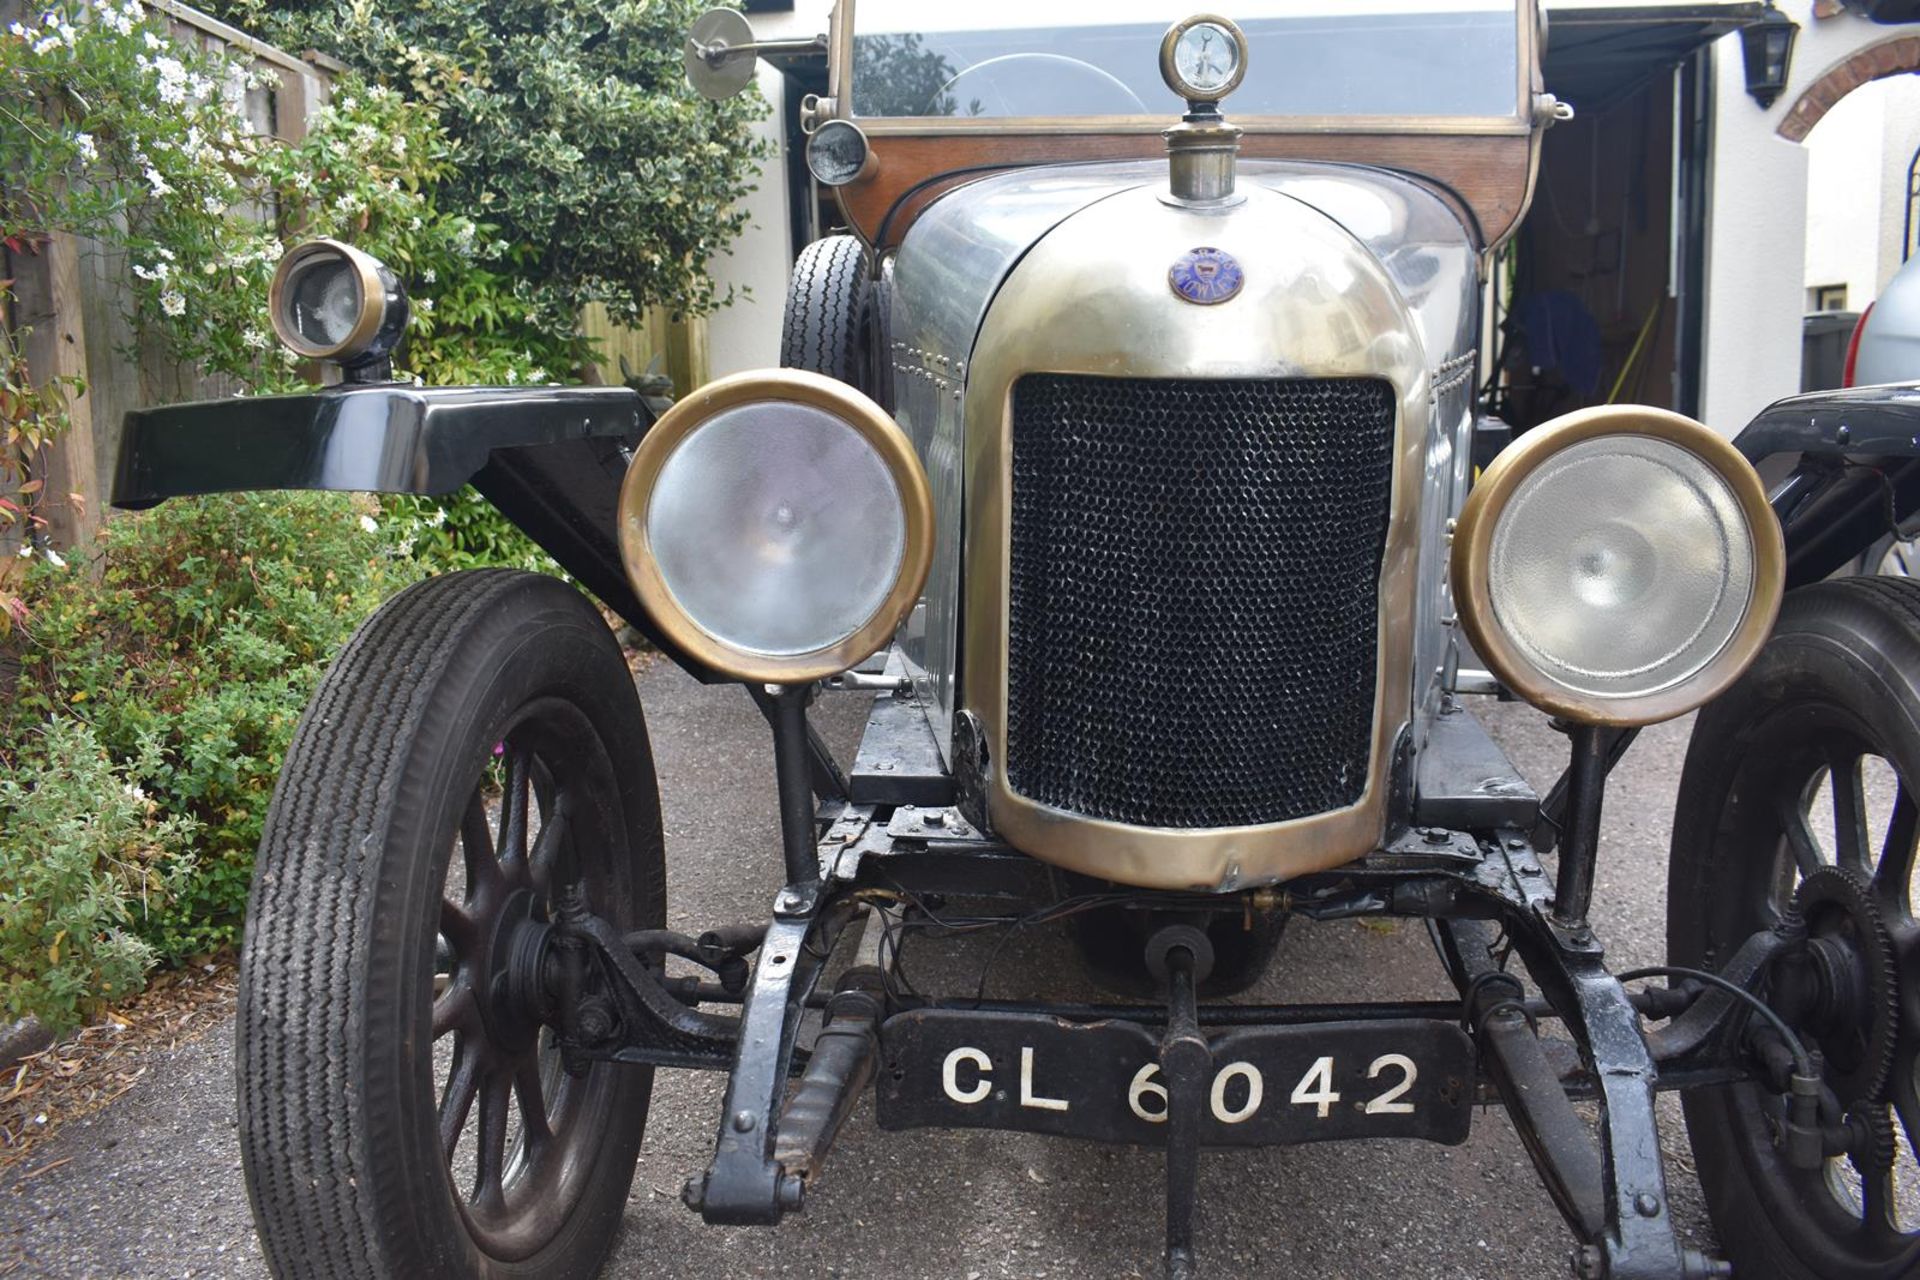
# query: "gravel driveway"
[[151, 1187]]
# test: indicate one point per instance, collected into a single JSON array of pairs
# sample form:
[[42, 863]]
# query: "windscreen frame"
[[1528, 41]]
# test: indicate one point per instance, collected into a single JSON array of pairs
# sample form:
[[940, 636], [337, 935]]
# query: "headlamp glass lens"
[[1622, 566], [323, 301], [778, 528]]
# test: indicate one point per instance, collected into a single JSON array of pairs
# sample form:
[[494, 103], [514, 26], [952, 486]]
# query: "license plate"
[[952, 1068]]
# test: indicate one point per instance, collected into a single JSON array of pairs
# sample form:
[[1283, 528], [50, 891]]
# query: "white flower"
[[513, 376], [438, 518], [46, 44], [165, 253], [158, 271], [157, 182], [429, 275], [369, 524], [20, 29], [173, 79], [53, 558], [347, 103], [213, 204], [416, 224], [399, 145], [84, 142], [26, 551], [425, 305], [64, 30], [536, 375], [254, 340], [133, 792], [153, 41], [173, 303]]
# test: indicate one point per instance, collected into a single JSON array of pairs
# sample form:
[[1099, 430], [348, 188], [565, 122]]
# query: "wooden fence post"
[[47, 301]]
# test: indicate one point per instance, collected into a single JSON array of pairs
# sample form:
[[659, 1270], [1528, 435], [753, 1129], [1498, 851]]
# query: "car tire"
[[362, 943], [1838, 683], [828, 298]]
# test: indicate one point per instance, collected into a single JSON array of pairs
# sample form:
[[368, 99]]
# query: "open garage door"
[[1598, 298]]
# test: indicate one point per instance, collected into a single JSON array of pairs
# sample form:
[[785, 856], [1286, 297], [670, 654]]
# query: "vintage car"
[[1127, 458]]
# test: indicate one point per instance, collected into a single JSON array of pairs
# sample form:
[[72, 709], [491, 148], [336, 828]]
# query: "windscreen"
[[999, 59]]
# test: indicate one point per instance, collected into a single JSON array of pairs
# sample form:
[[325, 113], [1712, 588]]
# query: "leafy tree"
[[574, 133]]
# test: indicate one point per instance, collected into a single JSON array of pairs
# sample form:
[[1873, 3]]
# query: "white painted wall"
[[1843, 195], [1857, 159], [746, 335], [1900, 96], [1758, 222]]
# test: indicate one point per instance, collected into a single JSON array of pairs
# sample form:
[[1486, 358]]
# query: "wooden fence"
[[75, 295]]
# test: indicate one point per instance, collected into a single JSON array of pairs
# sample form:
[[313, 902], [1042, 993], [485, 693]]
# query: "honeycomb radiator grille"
[[1194, 604]]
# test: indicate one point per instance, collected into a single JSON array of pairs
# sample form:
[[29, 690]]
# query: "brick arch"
[[1889, 57]]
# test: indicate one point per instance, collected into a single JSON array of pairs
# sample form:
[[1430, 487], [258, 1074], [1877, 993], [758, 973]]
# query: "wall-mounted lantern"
[[1767, 47]]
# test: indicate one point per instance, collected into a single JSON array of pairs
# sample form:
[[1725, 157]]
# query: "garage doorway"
[[1598, 298]]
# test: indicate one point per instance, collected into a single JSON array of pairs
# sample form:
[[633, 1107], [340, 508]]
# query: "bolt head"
[[1646, 1205], [1515, 843], [743, 1121], [793, 1191], [595, 1022]]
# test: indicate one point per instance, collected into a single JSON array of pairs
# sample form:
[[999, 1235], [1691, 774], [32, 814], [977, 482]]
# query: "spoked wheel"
[[475, 755], [1799, 795]]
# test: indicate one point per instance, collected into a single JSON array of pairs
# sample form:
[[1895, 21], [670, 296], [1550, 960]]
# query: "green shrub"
[[85, 857], [188, 651], [575, 135], [463, 531]]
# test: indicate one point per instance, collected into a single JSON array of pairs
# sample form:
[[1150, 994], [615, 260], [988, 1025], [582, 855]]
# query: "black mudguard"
[[1852, 461], [551, 458]]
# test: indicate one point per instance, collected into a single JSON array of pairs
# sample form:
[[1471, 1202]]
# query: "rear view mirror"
[[720, 54]]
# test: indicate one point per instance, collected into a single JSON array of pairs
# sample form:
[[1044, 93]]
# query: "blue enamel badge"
[[1205, 276]]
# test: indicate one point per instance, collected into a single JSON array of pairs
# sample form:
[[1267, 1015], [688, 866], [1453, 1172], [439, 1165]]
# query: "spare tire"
[[825, 329]]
